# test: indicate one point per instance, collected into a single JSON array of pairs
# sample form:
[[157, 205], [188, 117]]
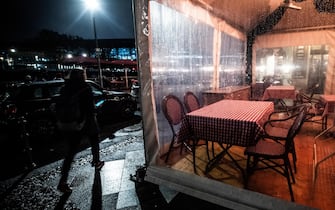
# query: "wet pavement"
[[45, 149], [111, 188], [114, 187]]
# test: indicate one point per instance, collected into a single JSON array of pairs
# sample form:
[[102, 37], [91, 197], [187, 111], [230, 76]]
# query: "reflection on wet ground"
[[114, 187], [45, 149], [110, 188]]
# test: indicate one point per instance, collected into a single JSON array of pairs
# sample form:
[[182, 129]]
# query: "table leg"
[[213, 162], [316, 163], [216, 159], [325, 131]]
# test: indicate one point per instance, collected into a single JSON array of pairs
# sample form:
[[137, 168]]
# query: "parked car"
[[135, 89], [36, 102]]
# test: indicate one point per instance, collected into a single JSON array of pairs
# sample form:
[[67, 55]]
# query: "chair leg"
[[287, 167], [287, 163], [324, 123], [182, 147], [247, 171], [251, 165], [170, 148], [208, 157], [187, 146], [193, 153], [255, 162], [294, 157]]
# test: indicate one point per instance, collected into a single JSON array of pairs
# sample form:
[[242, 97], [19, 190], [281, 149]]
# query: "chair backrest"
[[191, 101], [316, 105], [257, 91], [307, 96], [295, 127], [302, 98], [173, 109]]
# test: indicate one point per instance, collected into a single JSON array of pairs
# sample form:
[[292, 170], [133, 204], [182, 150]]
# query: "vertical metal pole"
[[97, 51]]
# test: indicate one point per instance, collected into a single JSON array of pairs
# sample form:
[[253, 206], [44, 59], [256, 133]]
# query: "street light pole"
[[97, 51]]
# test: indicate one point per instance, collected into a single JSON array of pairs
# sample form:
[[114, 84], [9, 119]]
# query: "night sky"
[[23, 19]]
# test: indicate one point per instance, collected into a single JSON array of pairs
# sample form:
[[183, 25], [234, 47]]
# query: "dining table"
[[329, 100], [228, 123], [280, 93]]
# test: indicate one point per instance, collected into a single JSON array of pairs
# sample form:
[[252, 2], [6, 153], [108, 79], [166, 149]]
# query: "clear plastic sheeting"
[[184, 59], [182, 52], [232, 61]]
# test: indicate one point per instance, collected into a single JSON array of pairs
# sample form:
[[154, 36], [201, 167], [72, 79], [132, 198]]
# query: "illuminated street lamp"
[[93, 5]]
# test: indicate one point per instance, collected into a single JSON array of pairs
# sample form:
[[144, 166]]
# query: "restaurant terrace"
[[242, 61]]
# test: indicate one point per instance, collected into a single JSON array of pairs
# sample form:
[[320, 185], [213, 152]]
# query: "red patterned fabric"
[[234, 122], [192, 103], [174, 111], [279, 92]]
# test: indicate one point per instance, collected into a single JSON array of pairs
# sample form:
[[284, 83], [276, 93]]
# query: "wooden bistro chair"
[[191, 101], [278, 125], [316, 109], [257, 91], [269, 151], [174, 112]]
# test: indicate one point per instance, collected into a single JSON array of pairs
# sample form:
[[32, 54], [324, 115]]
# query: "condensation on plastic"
[[183, 60]]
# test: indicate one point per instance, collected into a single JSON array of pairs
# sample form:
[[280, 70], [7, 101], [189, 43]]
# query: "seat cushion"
[[265, 147], [277, 131]]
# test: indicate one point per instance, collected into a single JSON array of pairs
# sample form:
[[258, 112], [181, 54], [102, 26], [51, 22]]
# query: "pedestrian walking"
[[77, 92]]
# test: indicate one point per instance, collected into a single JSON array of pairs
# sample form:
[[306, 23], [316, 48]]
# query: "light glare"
[[92, 5]]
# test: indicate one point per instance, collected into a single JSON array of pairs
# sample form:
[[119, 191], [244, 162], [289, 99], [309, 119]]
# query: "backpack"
[[69, 114]]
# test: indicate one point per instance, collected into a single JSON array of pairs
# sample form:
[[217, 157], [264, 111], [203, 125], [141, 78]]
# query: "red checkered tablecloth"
[[234, 122], [279, 92]]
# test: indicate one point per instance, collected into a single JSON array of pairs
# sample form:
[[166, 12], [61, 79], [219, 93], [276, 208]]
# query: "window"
[[301, 66]]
